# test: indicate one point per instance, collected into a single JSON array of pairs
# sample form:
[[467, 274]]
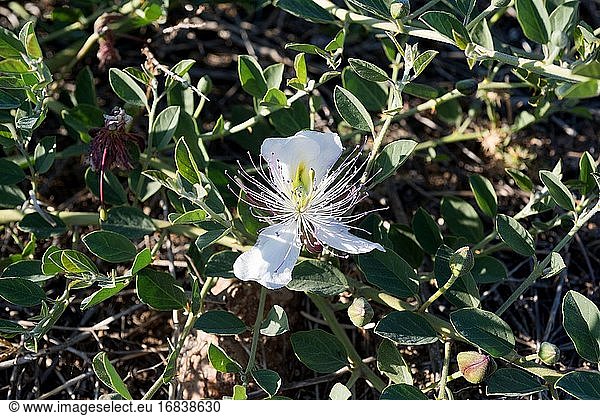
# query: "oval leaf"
[[406, 328], [484, 330], [352, 110], [319, 350], [220, 323], [110, 246], [159, 290], [581, 320], [515, 235]]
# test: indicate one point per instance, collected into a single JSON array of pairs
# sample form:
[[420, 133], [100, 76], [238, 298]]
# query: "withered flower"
[[107, 52], [109, 146]]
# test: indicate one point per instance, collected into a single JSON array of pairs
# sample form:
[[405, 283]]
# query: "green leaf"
[[220, 323], [485, 195], [194, 216], [101, 295], [372, 95], [159, 290], [559, 192], [10, 173], [239, 392], [481, 35], [421, 90], [515, 235], [9, 329], [423, 61], [406, 328], [464, 291], [221, 361], [484, 330], [462, 219], [221, 264], [523, 181], [126, 88], [488, 269], [164, 126], [367, 70], [142, 259], [379, 8], [210, 237], [107, 373], [36, 224], [26, 269], [352, 110], [563, 17], [587, 166], [534, 20], [426, 231], [318, 277], [585, 385], [306, 10], [74, 261], [29, 40], [10, 46], [274, 75], [276, 322], [391, 158], [288, 121], [274, 98], [85, 91], [445, 24], [188, 161], [391, 363], [110, 246], [44, 154], [402, 392], [268, 380], [584, 89], [21, 292], [251, 76], [319, 350], [581, 320], [512, 382], [11, 196], [301, 79], [390, 272], [129, 221]]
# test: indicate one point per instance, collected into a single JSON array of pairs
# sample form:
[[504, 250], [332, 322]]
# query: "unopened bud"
[[474, 366], [461, 261], [360, 312], [549, 353], [467, 86], [103, 214], [205, 85], [559, 39], [399, 9]]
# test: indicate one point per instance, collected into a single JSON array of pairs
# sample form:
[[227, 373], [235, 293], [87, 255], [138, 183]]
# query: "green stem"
[[445, 368], [256, 334], [539, 268], [357, 363], [439, 292], [187, 328]]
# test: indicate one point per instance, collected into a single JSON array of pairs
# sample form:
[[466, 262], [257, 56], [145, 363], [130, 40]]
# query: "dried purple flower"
[[107, 52], [109, 145]]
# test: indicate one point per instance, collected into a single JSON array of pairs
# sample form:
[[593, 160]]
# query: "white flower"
[[305, 200]]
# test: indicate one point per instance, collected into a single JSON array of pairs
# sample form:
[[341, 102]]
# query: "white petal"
[[319, 151], [337, 235], [271, 260]]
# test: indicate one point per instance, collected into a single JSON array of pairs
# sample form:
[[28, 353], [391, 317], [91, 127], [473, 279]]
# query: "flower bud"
[[399, 9], [500, 3], [360, 312], [103, 215], [549, 353], [559, 39], [461, 261], [205, 85], [475, 367], [467, 86]]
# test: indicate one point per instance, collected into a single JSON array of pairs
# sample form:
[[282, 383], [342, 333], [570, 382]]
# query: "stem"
[[445, 368], [439, 292], [187, 328], [150, 147], [539, 269], [357, 363], [256, 334]]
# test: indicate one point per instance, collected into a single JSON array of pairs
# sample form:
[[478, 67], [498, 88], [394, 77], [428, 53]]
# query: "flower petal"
[[337, 236], [318, 151], [271, 260]]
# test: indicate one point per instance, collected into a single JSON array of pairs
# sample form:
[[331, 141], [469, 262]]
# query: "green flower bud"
[[360, 312], [559, 39], [399, 9], [549, 353], [474, 366], [205, 85], [461, 261], [467, 86], [103, 215], [500, 3]]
